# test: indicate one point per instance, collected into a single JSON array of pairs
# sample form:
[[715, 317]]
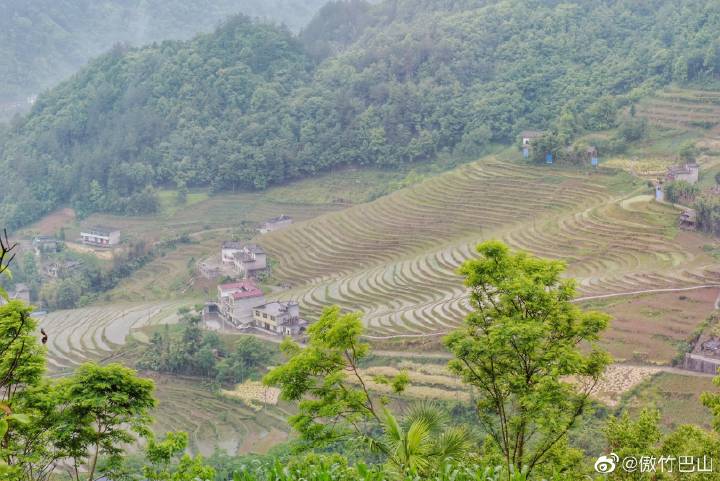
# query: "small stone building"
[[45, 244], [209, 270], [705, 357]]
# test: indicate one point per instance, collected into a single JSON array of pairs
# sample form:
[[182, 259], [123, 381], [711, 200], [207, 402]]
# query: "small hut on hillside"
[[688, 219]]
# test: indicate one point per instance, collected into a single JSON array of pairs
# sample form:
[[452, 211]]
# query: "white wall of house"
[[228, 254], [242, 310], [113, 238]]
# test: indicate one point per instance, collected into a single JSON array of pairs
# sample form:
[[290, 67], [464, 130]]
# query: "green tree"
[[688, 151], [549, 143], [334, 398], [22, 364], [638, 437], [182, 193], [641, 437], [631, 130], [517, 347], [68, 293], [249, 356], [95, 197], [474, 141], [103, 406], [682, 192], [423, 442], [163, 463]]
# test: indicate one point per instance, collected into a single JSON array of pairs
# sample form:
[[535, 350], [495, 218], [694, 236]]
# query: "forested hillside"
[[44, 41], [250, 105]]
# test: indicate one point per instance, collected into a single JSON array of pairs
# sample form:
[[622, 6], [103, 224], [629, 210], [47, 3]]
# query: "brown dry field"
[[51, 223], [650, 328]]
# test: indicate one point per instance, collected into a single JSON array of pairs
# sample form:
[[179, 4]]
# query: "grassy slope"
[[676, 396]]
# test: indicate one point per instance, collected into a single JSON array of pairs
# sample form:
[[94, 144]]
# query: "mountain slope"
[[44, 41], [250, 105]]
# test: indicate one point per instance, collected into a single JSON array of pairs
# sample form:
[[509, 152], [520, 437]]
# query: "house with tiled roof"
[[237, 300]]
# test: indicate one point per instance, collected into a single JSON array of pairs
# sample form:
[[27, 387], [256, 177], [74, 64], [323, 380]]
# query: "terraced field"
[[95, 333], [216, 423], [682, 108], [395, 258]]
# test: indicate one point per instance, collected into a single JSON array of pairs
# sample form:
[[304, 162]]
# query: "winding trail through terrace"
[[579, 299], [396, 259]]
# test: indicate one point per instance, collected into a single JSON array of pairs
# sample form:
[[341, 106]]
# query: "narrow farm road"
[[579, 299]]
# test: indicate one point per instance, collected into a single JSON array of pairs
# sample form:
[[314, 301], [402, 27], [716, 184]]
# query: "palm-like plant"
[[423, 442]]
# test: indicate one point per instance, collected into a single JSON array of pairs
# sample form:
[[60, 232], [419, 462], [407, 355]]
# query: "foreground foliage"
[[515, 352], [519, 347]]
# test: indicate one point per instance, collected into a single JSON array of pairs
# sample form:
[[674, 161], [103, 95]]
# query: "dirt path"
[[650, 291], [685, 372], [413, 355], [579, 299]]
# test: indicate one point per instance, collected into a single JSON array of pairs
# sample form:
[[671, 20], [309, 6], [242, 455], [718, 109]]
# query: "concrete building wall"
[[698, 363], [242, 310], [228, 254]]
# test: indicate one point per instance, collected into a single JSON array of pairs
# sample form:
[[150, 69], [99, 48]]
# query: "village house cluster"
[[247, 260], [241, 304]]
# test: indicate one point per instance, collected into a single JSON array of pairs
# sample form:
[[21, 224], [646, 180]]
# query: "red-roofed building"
[[237, 300]]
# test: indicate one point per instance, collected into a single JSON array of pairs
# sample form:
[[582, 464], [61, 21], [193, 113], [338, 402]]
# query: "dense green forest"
[[44, 41], [402, 81]]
